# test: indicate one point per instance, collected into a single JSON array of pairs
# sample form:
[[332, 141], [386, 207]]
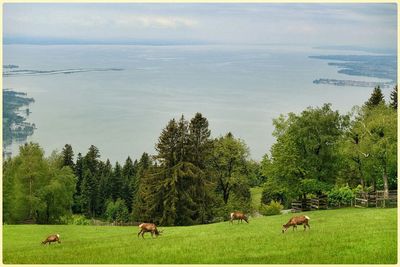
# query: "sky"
[[370, 25]]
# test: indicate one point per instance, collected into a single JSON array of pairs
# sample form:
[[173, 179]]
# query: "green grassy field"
[[336, 236]]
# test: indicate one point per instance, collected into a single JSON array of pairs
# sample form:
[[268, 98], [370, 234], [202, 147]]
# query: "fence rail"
[[362, 200], [310, 204], [376, 199]]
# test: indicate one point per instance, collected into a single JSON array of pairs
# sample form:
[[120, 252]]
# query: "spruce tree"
[[199, 140], [105, 172], [167, 146], [68, 156], [89, 194], [376, 98], [182, 142], [393, 98], [91, 180], [128, 172], [176, 182], [117, 182], [77, 205], [91, 159], [141, 206]]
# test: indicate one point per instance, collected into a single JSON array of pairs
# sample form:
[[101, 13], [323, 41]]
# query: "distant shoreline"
[[353, 83]]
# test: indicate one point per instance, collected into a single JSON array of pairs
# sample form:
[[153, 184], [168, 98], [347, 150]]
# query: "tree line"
[[319, 150], [196, 179], [192, 179]]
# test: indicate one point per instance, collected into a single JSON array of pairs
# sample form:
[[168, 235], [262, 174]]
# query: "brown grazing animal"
[[52, 238], [148, 227], [297, 220], [237, 215]]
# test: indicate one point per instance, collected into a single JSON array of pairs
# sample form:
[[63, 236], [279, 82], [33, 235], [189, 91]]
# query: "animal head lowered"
[[296, 220], [52, 238], [149, 227], [237, 215]]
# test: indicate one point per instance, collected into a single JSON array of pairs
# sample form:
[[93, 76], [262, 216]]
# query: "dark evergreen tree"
[[167, 146], [105, 171], [91, 160], [117, 183], [129, 172], [90, 182], [176, 186], [183, 138], [89, 194], [68, 156], [393, 98], [140, 187], [376, 98], [77, 205], [145, 162], [199, 141]]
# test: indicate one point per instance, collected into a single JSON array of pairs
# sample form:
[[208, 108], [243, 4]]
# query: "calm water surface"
[[238, 88]]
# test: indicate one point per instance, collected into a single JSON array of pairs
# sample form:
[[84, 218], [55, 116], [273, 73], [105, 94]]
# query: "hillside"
[[336, 236]]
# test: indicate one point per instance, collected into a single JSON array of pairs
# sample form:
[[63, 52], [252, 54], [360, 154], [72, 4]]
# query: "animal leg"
[[143, 234], [139, 233]]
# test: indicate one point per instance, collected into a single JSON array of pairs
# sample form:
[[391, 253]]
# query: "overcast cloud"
[[372, 25]]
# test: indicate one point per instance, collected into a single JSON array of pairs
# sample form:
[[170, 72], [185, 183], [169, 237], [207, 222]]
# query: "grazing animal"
[[297, 220], [237, 215], [148, 227], [52, 238]]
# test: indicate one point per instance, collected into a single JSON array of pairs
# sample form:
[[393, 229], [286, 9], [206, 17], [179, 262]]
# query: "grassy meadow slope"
[[336, 236]]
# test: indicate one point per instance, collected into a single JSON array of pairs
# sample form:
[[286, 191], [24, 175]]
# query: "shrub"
[[340, 196], [117, 211], [274, 208], [79, 220]]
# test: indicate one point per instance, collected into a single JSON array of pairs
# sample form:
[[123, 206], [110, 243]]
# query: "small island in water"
[[15, 113]]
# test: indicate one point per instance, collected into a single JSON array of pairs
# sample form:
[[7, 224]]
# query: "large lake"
[[237, 88]]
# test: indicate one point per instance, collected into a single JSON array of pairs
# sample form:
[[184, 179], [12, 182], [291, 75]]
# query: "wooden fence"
[[362, 199], [376, 199], [318, 203]]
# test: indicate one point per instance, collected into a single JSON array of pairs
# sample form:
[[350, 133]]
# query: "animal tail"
[[58, 235], [307, 217]]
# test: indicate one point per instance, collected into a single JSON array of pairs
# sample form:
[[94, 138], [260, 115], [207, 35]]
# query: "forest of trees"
[[196, 179]]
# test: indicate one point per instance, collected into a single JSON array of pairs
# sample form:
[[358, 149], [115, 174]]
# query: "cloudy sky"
[[371, 25]]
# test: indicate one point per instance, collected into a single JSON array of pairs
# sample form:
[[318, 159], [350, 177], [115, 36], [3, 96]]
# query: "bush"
[[274, 208], [340, 196], [117, 211], [66, 219], [79, 220]]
